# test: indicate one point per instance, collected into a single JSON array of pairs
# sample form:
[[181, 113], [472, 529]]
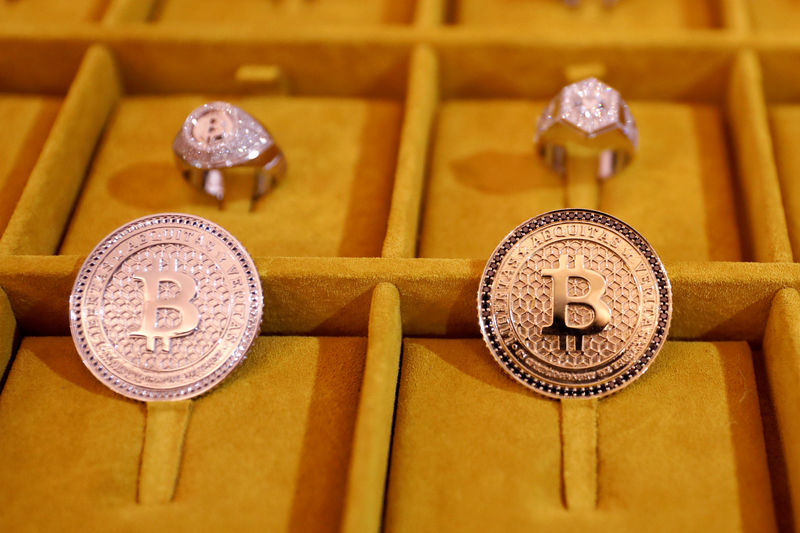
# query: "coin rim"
[[203, 385], [526, 377]]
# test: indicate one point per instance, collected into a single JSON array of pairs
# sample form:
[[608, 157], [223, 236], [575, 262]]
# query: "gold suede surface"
[[8, 330], [363, 506], [162, 450], [680, 449], [326, 296], [782, 15], [268, 448], [579, 453], [413, 154], [683, 447], [38, 222], [785, 122], [544, 15], [472, 449], [66, 439], [26, 123], [408, 131], [347, 159], [782, 361], [486, 179], [275, 14], [760, 196], [51, 11]]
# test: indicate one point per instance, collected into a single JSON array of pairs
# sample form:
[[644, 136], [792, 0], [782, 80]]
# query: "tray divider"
[[582, 187], [735, 16], [430, 13], [372, 438], [8, 330], [781, 347], [46, 203], [767, 231], [421, 102], [713, 301], [128, 11], [579, 453], [165, 430]]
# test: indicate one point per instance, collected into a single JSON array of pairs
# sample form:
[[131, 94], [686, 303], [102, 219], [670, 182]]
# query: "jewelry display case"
[[370, 402]]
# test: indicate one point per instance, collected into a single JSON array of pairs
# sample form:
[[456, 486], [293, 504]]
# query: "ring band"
[[588, 116], [218, 136]]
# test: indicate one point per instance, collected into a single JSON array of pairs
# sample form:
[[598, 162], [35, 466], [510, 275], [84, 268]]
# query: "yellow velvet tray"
[[369, 402]]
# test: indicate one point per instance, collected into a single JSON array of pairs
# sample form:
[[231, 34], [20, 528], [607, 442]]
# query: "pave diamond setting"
[[592, 108], [590, 105], [221, 135], [587, 118]]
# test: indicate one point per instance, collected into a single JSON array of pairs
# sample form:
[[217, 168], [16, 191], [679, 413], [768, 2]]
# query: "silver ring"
[[217, 136], [588, 116]]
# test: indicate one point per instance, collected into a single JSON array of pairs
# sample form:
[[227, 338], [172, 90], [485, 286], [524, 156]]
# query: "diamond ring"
[[218, 136], [588, 116]]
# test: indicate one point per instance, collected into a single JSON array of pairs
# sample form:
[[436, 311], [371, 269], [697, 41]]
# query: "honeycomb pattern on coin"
[[165, 307], [574, 303], [123, 305], [531, 307]]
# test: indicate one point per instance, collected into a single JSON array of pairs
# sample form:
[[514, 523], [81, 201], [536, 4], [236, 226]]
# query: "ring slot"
[[162, 451]]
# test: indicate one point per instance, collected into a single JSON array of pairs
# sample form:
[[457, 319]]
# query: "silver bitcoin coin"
[[574, 303], [165, 307]]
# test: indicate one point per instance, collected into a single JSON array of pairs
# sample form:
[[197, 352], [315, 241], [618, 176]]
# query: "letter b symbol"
[[181, 302], [562, 299]]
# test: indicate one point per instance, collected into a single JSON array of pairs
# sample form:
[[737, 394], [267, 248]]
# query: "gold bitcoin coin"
[[165, 307], [574, 303]]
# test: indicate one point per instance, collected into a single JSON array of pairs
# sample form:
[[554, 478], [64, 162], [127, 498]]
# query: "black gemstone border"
[[524, 376]]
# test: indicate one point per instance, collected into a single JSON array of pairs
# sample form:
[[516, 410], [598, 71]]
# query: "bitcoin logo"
[[562, 300], [574, 303], [150, 328]]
